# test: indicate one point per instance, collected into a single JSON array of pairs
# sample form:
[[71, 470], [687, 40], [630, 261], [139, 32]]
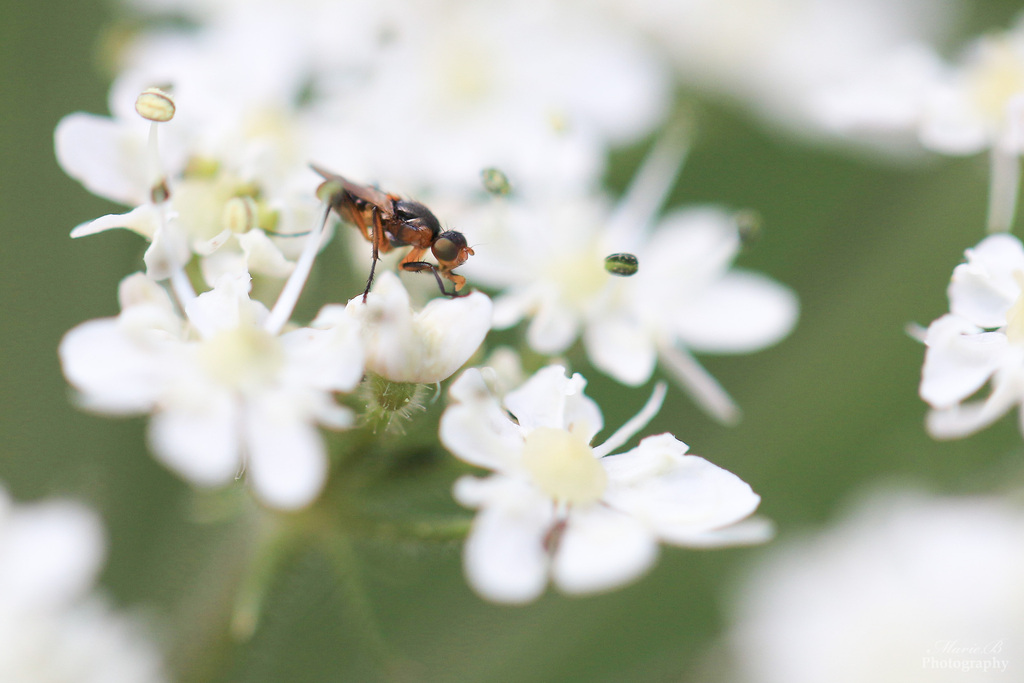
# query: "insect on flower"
[[388, 221]]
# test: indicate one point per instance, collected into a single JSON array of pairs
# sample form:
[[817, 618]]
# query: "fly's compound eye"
[[449, 247]]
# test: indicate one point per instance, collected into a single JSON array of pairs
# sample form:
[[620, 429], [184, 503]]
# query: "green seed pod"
[[621, 264]]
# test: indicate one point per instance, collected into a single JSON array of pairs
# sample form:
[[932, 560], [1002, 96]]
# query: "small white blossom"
[[907, 587], [538, 89], [556, 508], [423, 347], [53, 627], [973, 105], [183, 192], [981, 340], [774, 56], [548, 260], [225, 392]]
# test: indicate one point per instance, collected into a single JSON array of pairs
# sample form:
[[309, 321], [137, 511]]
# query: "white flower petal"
[[452, 330], [959, 360], [554, 328], [50, 554], [966, 418], [504, 556], [739, 313], [511, 307], [199, 438], [107, 156], [168, 253], [287, 459], [329, 354], [550, 399], [137, 290], [113, 373], [984, 288], [476, 429], [621, 348], [263, 256], [223, 263], [655, 456], [750, 531], [690, 248], [601, 549], [225, 307], [424, 347], [684, 496], [144, 220], [206, 247]]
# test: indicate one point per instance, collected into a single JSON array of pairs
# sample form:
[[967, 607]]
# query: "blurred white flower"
[[219, 203], [422, 347], [53, 628], [547, 258], [226, 390], [775, 55], [535, 88], [980, 340], [539, 89], [974, 105], [906, 588], [962, 108], [556, 508]]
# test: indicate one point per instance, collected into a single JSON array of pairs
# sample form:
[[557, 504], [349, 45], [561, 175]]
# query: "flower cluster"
[[905, 587], [55, 628], [218, 170], [980, 341], [975, 104]]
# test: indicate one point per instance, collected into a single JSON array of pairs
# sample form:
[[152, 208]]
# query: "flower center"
[[580, 277], [996, 78], [1015, 315], [563, 466], [242, 358]]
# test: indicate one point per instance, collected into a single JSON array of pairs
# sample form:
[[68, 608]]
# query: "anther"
[[240, 215], [155, 105]]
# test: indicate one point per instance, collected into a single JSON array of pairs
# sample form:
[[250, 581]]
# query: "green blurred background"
[[868, 247]]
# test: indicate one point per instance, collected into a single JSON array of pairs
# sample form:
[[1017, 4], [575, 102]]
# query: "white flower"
[[540, 90], [220, 200], [547, 257], [53, 627], [225, 389], [907, 587], [775, 55], [557, 508], [423, 347], [980, 341], [974, 105]]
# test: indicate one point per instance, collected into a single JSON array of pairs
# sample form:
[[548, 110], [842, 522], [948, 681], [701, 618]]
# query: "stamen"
[[635, 423], [239, 215], [289, 296], [155, 105], [1003, 188]]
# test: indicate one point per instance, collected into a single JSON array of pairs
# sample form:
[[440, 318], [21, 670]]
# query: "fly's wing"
[[371, 195]]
